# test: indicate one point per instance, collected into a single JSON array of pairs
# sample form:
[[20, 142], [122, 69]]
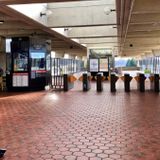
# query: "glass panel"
[[38, 61], [48, 62], [20, 61]]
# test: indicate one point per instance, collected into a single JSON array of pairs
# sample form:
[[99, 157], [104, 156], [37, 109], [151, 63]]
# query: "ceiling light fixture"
[[1, 21], [45, 13], [107, 10]]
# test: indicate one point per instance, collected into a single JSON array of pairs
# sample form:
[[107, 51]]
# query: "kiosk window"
[[20, 61], [38, 61]]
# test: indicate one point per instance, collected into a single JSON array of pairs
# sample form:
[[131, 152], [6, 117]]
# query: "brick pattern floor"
[[80, 126]]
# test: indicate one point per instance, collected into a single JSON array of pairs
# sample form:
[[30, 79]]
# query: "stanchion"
[[127, 80], [113, 80], [99, 82]]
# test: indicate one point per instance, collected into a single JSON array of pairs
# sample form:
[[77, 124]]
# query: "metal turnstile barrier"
[[2, 152], [141, 82], [86, 81], [68, 81], [99, 82], [127, 80], [113, 80], [154, 80]]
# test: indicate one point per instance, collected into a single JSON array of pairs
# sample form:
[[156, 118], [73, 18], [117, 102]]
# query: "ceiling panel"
[[143, 32]]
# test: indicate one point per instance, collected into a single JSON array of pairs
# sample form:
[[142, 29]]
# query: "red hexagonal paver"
[[81, 126]]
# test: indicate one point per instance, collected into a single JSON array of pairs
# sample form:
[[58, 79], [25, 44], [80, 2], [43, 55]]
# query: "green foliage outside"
[[131, 63]]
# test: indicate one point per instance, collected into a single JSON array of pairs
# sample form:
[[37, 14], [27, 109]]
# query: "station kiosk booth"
[[28, 65]]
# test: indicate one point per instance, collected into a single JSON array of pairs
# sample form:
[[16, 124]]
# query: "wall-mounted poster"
[[104, 64], [93, 65]]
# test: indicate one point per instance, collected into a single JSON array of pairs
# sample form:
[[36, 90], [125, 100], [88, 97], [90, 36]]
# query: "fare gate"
[[141, 82], [2, 152], [127, 80], [86, 81], [58, 82], [113, 79], [60, 68], [156, 82], [154, 79], [68, 82], [99, 82]]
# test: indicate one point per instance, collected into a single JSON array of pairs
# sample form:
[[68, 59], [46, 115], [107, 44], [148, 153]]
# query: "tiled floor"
[[81, 126]]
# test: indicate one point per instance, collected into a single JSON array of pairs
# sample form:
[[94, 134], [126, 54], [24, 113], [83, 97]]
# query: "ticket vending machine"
[[28, 66]]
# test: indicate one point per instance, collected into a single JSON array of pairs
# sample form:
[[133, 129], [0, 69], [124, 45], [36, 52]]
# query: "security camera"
[[107, 10]]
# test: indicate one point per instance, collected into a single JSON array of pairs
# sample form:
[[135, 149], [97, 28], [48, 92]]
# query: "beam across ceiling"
[[92, 36], [81, 15], [124, 10], [83, 25], [145, 18], [99, 40], [92, 31], [87, 21], [11, 2]]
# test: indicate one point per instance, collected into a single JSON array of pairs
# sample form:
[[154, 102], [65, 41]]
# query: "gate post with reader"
[[141, 82], [113, 80], [86, 81], [127, 80], [2, 152], [99, 82], [154, 80], [68, 81]]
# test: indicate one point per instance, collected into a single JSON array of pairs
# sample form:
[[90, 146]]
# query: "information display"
[[104, 64], [93, 65], [20, 79]]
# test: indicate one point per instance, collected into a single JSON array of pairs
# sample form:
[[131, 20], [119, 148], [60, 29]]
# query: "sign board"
[[93, 65], [104, 64], [20, 80]]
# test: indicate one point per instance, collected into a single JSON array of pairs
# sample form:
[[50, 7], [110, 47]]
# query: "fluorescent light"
[[66, 56], [53, 54]]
